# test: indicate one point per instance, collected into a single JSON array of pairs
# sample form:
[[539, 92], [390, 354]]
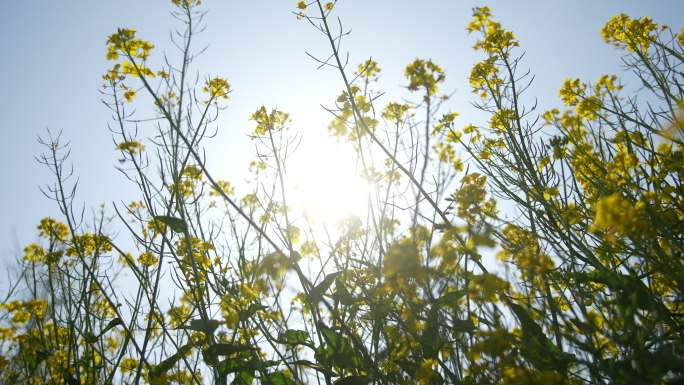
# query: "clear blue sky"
[[53, 58]]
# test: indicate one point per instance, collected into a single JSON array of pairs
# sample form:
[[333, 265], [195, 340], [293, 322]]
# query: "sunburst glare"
[[325, 185]]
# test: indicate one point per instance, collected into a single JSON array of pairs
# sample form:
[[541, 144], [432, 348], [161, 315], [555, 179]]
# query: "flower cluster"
[[424, 74], [636, 35]]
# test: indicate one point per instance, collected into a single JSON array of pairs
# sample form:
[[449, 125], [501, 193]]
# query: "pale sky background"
[[53, 56]]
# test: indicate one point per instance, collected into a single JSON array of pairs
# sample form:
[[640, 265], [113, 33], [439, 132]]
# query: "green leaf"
[[294, 337], [527, 324], [338, 350], [451, 298], [243, 378], [89, 337], [314, 366], [239, 362], [430, 339], [92, 338], [69, 379], [278, 378], [250, 311], [442, 226], [316, 293], [207, 327], [463, 325], [227, 349], [342, 294], [229, 365], [176, 224], [537, 348], [34, 359], [112, 324], [164, 366], [352, 380]]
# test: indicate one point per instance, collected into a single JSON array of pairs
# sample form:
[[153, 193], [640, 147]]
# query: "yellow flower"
[[480, 17], [128, 365], [516, 376], [424, 74], [329, 6], [186, 3], [426, 371], [129, 68], [233, 304], [193, 172], [472, 198], [275, 120], [395, 112], [225, 186], [496, 40], [124, 42], [571, 91], [632, 34], [131, 146], [293, 233], [589, 107], [6, 333], [493, 343], [616, 214], [486, 286], [50, 228], [550, 193], [402, 260], [522, 247], [34, 253], [217, 88], [129, 95], [501, 119], [368, 69], [89, 244], [147, 259], [301, 5], [36, 307], [543, 163], [21, 317], [308, 248], [606, 83], [445, 122]]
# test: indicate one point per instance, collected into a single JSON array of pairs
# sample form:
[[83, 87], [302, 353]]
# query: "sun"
[[325, 185]]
